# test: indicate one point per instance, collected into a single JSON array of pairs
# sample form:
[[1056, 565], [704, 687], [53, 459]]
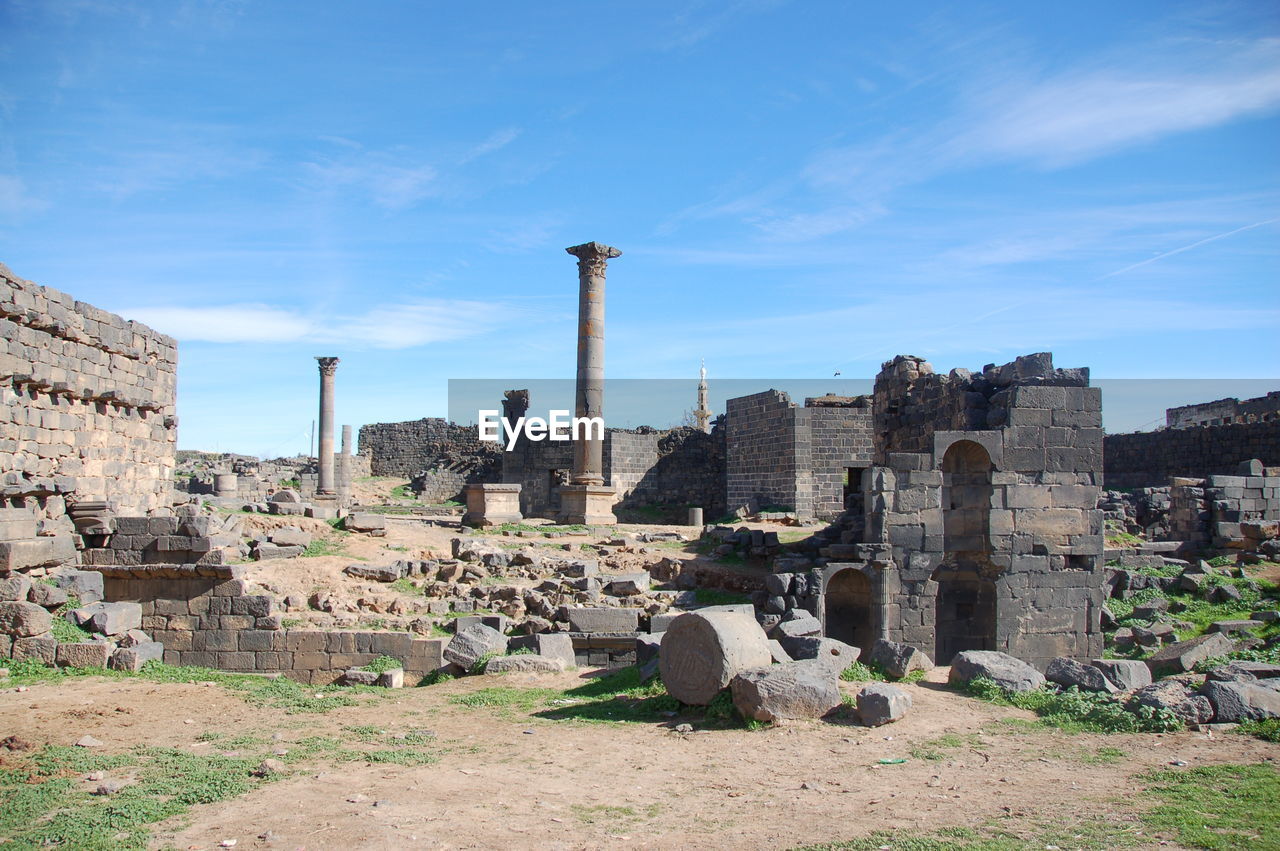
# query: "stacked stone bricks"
[[88, 406], [1150, 459]]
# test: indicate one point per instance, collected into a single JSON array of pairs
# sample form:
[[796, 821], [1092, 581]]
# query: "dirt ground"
[[504, 779]]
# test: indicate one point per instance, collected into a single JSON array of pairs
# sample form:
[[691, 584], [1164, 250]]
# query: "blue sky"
[[798, 188]]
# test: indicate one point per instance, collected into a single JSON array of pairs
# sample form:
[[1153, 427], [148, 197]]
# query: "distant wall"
[[1223, 411], [1149, 459]]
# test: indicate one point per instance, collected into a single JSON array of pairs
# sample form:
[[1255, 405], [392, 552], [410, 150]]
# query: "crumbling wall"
[[840, 440], [87, 419], [1150, 459], [1223, 411], [405, 449], [686, 469], [767, 453]]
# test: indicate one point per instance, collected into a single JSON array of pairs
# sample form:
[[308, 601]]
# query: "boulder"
[[14, 588], [1185, 655], [364, 521], [264, 551], [40, 648], [1004, 670], [1176, 696], [524, 663], [790, 690], [628, 585], [552, 645], [286, 495], [778, 584], [1124, 674], [471, 645], [1241, 701], [897, 660], [703, 651], [834, 654], [359, 677], [1068, 672], [24, 620], [882, 703], [46, 596]]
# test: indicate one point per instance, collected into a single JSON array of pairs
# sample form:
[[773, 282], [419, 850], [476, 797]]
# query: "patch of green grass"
[[290, 623], [402, 492], [1076, 711], [528, 527], [936, 749], [1103, 756], [859, 672], [327, 546], [608, 814], [1224, 807], [383, 664], [719, 597], [506, 697], [67, 632], [1267, 729], [45, 807]]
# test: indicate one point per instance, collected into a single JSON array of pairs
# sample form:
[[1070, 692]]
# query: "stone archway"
[[966, 501], [850, 610]]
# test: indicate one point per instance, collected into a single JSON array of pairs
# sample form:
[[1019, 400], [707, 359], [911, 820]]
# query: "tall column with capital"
[[324, 486], [703, 414], [586, 499]]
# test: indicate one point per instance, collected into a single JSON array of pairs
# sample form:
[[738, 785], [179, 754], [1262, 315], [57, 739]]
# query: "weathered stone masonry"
[[88, 412], [1150, 459]]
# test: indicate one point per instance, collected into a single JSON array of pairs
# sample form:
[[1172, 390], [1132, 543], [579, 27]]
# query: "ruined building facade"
[[980, 529], [87, 425]]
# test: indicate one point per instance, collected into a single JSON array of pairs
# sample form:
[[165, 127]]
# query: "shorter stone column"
[[492, 504], [346, 440]]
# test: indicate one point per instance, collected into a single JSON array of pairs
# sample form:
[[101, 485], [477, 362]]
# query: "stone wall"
[[406, 449], [1218, 511], [205, 615], [781, 455], [1150, 459], [88, 403], [1223, 411]]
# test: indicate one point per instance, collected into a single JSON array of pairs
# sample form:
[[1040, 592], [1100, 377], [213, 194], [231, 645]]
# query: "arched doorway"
[[965, 613], [850, 615], [966, 500]]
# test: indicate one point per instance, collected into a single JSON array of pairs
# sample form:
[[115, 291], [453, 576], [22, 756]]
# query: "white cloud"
[[15, 202], [497, 140], [392, 326], [391, 184]]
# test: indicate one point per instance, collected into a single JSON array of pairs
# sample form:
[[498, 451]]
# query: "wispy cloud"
[[1189, 247], [391, 326], [15, 202], [498, 140], [391, 182]]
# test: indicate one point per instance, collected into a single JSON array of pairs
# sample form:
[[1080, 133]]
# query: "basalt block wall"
[[1150, 459], [406, 449], [205, 616], [88, 406], [781, 455]]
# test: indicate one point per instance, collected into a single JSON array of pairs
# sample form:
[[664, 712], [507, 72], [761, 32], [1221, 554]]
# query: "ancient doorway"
[[850, 615], [965, 613], [966, 501]]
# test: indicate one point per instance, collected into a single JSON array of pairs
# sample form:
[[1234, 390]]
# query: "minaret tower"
[[703, 414]]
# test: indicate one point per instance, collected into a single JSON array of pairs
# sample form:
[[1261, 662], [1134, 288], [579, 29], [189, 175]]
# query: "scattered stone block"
[[1176, 696], [1124, 674], [553, 645], [702, 652], [1004, 670], [375, 572], [84, 654], [826, 651], [1234, 626], [264, 551], [1185, 655], [46, 596], [882, 703], [391, 678], [897, 659], [789, 690], [14, 588], [108, 618], [358, 677], [628, 585], [1068, 672], [290, 536], [86, 585], [1241, 701], [23, 619], [778, 653], [797, 628], [524, 663], [604, 620], [472, 644], [40, 648], [364, 521], [134, 657]]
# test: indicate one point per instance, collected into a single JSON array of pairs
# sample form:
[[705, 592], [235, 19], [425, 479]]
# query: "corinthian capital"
[[593, 256], [328, 366]]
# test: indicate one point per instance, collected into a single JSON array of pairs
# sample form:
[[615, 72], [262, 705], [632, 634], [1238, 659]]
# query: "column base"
[[492, 505], [324, 506], [589, 505]]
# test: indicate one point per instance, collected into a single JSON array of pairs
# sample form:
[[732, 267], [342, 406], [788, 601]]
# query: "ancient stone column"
[[593, 258], [324, 486], [346, 440], [586, 499]]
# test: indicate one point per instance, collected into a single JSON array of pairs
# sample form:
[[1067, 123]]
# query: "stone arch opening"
[[850, 613], [966, 501], [965, 612]]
